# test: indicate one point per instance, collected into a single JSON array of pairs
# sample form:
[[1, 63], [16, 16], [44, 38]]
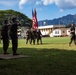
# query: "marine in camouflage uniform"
[[32, 36], [39, 37], [5, 36], [14, 36], [28, 36], [72, 33]]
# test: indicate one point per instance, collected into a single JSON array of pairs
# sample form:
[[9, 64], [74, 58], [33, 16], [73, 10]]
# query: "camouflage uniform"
[[39, 37], [5, 36], [27, 36], [32, 36], [14, 36], [72, 32]]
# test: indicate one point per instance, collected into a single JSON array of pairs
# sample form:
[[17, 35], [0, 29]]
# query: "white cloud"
[[46, 2], [62, 4], [38, 2], [66, 4], [22, 2], [61, 10]]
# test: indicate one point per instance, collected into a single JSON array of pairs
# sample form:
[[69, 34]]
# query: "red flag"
[[34, 20]]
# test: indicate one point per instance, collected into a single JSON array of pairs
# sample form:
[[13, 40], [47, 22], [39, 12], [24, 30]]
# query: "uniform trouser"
[[5, 43], [39, 39], [73, 38], [14, 44], [27, 39], [32, 40]]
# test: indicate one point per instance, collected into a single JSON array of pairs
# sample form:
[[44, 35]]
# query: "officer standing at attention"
[[5, 36], [72, 32], [14, 36], [32, 38], [27, 36], [39, 37]]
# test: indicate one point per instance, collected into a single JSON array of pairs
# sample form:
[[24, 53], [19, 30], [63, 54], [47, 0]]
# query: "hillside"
[[62, 20], [9, 14]]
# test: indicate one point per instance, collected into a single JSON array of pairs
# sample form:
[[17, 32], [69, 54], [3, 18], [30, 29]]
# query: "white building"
[[54, 30]]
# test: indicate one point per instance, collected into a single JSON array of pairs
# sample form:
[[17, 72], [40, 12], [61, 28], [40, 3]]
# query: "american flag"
[[34, 20]]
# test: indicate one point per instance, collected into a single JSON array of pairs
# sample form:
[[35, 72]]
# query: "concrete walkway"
[[10, 56]]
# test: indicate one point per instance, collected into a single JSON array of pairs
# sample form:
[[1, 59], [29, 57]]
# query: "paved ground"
[[10, 56]]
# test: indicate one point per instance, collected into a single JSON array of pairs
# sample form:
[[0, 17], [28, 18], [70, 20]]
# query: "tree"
[[9, 14]]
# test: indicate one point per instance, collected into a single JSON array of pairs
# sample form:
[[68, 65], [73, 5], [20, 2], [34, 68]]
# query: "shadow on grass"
[[42, 62]]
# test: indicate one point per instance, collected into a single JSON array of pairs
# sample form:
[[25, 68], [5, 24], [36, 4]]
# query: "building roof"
[[50, 26]]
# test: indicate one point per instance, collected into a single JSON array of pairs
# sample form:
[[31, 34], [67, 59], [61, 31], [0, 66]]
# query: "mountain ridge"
[[64, 20]]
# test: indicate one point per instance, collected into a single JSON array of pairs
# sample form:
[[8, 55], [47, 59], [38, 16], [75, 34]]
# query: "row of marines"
[[9, 30], [33, 35]]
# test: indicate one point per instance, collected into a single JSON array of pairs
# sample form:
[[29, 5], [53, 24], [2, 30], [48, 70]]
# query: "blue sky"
[[46, 9]]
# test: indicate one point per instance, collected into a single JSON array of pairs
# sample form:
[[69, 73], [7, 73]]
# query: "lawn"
[[53, 57]]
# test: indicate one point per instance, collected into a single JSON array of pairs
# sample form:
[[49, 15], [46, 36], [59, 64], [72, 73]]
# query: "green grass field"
[[53, 57]]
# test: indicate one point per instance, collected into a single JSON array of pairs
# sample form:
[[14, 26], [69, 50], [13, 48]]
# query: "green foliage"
[[9, 14]]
